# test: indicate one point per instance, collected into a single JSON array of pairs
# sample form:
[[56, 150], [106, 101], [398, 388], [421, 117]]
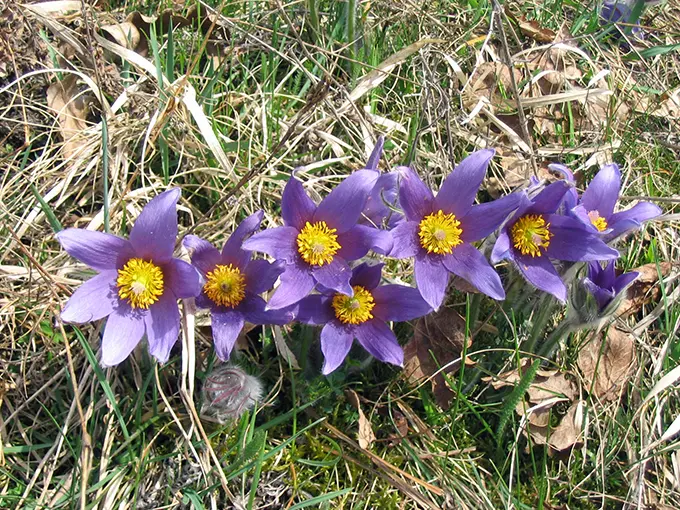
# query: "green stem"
[[313, 8], [351, 32], [105, 171], [551, 343], [545, 309]]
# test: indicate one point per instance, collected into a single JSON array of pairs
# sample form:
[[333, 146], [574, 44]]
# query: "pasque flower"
[[138, 283], [438, 231], [623, 11], [535, 234], [596, 207], [603, 283], [232, 284], [363, 316], [317, 241]]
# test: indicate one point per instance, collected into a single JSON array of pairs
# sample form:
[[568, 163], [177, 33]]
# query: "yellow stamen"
[[598, 221], [317, 244], [225, 286], [140, 282], [356, 309], [440, 232], [530, 233]]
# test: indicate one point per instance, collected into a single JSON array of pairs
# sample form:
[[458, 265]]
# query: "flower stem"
[[545, 309], [551, 343]]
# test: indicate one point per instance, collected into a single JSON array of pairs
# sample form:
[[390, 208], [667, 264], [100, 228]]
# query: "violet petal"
[[415, 197], [204, 256], [316, 310], [123, 331], [279, 242], [226, 326], [232, 251], [549, 200], [261, 275], [406, 242], [603, 296], [296, 283], [502, 247], [624, 281], [468, 263], [399, 303], [182, 278], [432, 279], [358, 240], [296, 207], [334, 275], [540, 272], [254, 311], [603, 191], [155, 231], [342, 207], [459, 189], [378, 339], [633, 217], [366, 275], [570, 241], [98, 250], [336, 341], [376, 154], [481, 220], [94, 299], [162, 326]]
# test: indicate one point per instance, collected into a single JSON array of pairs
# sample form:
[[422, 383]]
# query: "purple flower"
[[604, 285], [363, 316], [317, 241], [621, 11], [535, 234], [138, 283], [596, 208], [232, 284], [384, 198], [438, 231]]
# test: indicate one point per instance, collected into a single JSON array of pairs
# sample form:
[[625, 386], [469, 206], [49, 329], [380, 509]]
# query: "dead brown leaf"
[[610, 366], [566, 435], [442, 335], [489, 81], [546, 385], [666, 105], [134, 32], [644, 289], [365, 436], [531, 28], [538, 417], [71, 108]]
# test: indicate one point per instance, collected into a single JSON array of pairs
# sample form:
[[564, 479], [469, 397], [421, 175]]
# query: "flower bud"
[[228, 392]]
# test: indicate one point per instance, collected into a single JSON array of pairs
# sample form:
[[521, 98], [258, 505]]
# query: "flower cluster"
[[313, 258]]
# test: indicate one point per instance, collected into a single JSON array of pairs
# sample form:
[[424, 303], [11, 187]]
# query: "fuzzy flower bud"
[[596, 297], [228, 392]]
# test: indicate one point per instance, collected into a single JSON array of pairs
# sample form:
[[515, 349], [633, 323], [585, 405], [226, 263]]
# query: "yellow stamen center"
[[440, 232], [598, 221], [530, 233], [225, 286], [140, 283], [356, 309], [317, 244]]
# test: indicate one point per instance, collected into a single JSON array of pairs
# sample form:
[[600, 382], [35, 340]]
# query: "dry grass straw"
[[325, 130]]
